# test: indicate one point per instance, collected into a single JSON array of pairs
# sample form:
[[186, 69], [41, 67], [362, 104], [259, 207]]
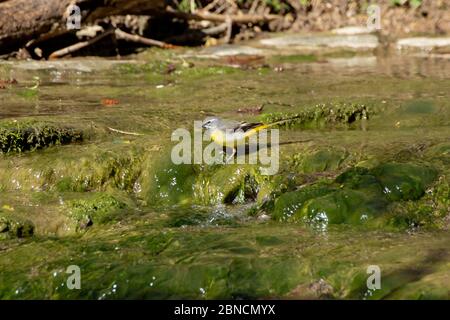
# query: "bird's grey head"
[[211, 123]]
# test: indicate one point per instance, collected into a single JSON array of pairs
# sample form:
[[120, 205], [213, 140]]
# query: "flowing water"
[[140, 227]]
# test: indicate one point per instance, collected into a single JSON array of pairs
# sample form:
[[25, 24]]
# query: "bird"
[[226, 132]]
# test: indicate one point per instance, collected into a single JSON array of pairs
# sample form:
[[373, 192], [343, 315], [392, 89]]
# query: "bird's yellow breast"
[[220, 137]]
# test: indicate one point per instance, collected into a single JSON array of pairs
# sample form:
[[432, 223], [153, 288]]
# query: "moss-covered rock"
[[96, 208], [360, 195], [28, 136], [322, 115], [320, 160], [230, 184], [404, 181], [287, 206], [12, 227]]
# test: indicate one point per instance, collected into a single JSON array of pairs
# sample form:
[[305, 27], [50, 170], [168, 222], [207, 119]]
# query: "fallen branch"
[[241, 18], [135, 38], [125, 132], [216, 29], [229, 23], [119, 34], [80, 45]]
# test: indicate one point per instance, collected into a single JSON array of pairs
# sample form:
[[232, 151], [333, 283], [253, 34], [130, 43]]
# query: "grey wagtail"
[[231, 133]]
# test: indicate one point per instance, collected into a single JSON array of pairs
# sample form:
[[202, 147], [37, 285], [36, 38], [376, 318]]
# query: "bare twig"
[[77, 46], [125, 132], [135, 38], [210, 5]]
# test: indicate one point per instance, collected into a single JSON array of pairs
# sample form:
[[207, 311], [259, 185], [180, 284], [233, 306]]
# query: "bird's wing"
[[245, 126]]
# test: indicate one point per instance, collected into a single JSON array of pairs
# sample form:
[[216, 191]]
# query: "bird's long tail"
[[268, 125]]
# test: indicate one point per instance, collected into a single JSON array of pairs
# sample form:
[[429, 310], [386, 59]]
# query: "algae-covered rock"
[[96, 208], [288, 204], [404, 181], [360, 195], [322, 115], [341, 206], [320, 160], [28, 136], [87, 167], [230, 184], [12, 227]]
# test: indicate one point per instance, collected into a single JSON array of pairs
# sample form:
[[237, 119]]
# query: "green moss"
[[13, 227], [322, 115], [288, 204], [362, 195], [96, 208], [206, 71], [29, 136], [230, 184], [404, 181], [318, 161]]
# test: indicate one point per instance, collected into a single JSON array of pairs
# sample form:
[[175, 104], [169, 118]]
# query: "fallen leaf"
[[109, 102], [254, 110]]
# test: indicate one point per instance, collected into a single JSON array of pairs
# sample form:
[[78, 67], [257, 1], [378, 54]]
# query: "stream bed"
[[363, 180]]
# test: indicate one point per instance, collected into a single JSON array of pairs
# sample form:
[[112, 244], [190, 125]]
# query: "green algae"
[[192, 234], [29, 136], [320, 160], [360, 196], [322, 115], [98, 208], [12, 227]]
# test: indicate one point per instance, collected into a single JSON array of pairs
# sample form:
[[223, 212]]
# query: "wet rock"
[[357, 196], [72, 64], [321, 160], [97, 208], [230, 184], [167, 183], [358, 42], [422, 43], [287, 206], [322, 115], [404, 181], [319, 289], [230, 50]]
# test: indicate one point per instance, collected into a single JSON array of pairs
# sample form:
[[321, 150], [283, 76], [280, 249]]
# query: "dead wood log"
[[23, 20], [239, 19]]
